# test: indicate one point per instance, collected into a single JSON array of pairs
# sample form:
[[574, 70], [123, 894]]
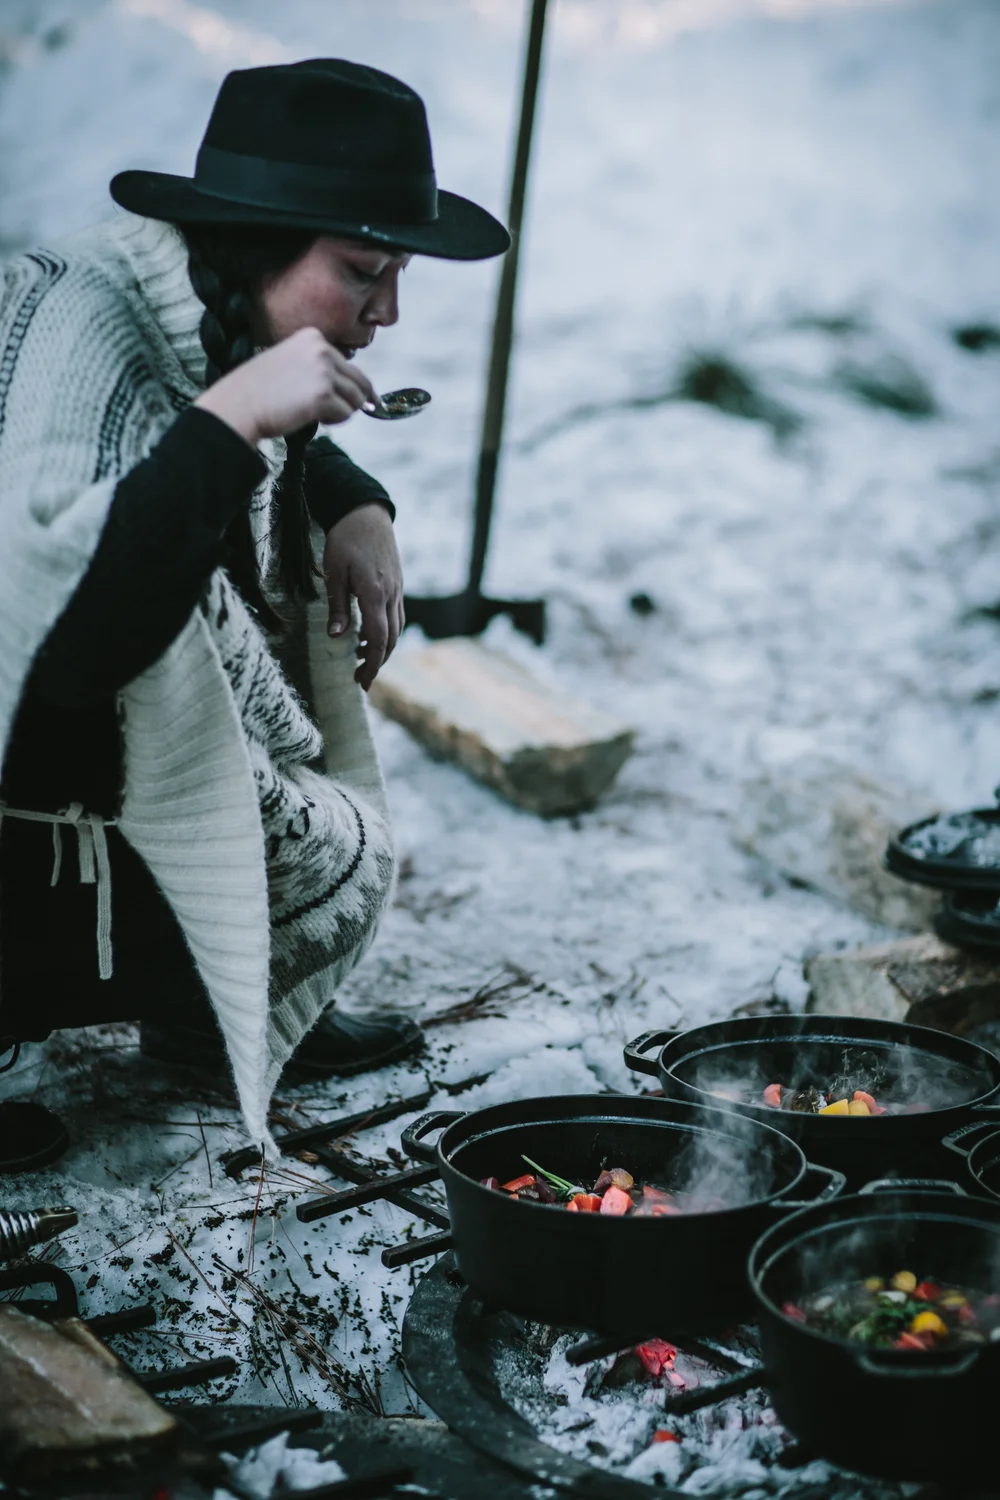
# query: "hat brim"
[[461, 231]]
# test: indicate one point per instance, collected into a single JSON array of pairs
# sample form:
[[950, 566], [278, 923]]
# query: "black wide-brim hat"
[[326, 145]]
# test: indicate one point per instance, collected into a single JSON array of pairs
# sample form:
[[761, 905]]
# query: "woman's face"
[[345, 288]]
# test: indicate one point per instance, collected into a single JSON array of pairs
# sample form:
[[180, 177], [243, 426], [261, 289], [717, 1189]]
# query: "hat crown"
[[324, 112]]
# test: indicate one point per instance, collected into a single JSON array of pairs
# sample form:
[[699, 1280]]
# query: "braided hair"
[[227, 265]]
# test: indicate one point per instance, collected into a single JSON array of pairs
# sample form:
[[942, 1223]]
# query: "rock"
[[829, 829], [917, 979], [540, 747]]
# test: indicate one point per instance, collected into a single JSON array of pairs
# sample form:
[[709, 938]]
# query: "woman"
[[160, 385]]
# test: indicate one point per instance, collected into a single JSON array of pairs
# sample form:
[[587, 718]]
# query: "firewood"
[[535, 744], [67, 1403]]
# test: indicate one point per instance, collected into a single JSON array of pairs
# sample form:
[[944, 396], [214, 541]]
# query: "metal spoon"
[[394, 405]]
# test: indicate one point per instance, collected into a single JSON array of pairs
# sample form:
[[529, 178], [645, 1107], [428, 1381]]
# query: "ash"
[[759, 233], [734, 1450]]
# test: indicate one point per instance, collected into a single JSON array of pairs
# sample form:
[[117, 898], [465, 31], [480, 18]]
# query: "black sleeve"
[[161, 541], [334, 485]]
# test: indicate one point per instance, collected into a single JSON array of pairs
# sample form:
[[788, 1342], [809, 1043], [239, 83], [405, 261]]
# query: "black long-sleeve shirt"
[[162, 539]]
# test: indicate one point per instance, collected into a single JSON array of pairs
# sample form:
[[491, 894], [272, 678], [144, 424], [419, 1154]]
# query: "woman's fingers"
[[374, 636], [338, 594]]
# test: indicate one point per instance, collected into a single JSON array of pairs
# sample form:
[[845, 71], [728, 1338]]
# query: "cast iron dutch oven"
[[902, 1415], [794, 1049], [628, 1276], [979, 1145]]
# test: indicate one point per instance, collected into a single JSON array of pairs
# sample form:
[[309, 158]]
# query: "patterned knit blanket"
[[260, 813]]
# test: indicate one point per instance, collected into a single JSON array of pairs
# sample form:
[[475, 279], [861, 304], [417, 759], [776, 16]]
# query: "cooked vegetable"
[[615, 1193], [517, 1183], [897, 1314]]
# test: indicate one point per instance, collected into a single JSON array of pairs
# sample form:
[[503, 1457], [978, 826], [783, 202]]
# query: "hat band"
[[336, 192]]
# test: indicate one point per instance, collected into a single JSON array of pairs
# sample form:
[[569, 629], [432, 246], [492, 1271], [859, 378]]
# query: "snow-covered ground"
[[807, 188]]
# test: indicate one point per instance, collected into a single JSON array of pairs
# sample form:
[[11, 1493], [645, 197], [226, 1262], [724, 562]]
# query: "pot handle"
[[979, 1129], [834, 1185], [922, 1184], [919, 1370], [635, 1051], [413, 1136]]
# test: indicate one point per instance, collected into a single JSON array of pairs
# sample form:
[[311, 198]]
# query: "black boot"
[[338, 1046]]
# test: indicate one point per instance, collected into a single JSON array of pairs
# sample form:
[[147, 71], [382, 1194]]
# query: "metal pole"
[[503, 324]]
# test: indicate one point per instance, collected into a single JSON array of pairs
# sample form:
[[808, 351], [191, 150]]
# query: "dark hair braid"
[[227, 265]]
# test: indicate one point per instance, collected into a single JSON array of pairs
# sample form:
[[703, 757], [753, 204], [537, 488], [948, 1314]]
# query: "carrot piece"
[[516, 1183], [615, 1202], [772, 1095], [572, 1207], [795, 1313], [864, 1098]]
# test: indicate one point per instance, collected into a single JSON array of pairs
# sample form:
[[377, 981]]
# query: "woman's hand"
[[298, 382], [360, 558]]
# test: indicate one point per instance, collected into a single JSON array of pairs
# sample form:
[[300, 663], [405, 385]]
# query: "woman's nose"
[[383, 304]]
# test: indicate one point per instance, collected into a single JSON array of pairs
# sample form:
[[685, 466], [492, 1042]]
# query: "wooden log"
[[917, 979], [67, 1403], [535, 744]]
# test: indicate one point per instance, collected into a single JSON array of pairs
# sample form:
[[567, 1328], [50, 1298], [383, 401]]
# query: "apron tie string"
[[95, 866]]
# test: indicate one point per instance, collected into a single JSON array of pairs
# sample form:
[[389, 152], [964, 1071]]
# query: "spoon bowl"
[[392, 406]]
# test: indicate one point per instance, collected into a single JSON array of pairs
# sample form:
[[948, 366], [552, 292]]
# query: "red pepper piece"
[[493, 1183], [585, 1203], [655, 1195], [615, 1202], [910, 1341], [967, 1317], [517, 1183], [795, 1313], [772, 1095], [927, 1291], [664, 1436]]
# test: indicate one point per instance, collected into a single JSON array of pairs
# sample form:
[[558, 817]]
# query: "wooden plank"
[[538, 746]]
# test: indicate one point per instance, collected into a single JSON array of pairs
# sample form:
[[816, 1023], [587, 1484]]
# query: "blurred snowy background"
[[756, 381]]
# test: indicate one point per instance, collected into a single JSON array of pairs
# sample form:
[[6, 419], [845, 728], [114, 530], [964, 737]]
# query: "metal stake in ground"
[[469, 613]]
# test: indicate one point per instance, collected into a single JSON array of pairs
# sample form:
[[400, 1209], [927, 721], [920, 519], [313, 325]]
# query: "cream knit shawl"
[[267, 836]]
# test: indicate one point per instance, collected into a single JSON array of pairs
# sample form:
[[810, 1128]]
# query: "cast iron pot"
[[888, 1412], [622, 1276], [778, 1048], [979, 1146], [954, 870]]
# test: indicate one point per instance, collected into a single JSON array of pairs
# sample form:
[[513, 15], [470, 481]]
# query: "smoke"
[[903, 1079], [722, 1167]]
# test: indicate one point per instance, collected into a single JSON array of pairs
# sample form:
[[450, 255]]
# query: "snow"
[[806, 188]]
